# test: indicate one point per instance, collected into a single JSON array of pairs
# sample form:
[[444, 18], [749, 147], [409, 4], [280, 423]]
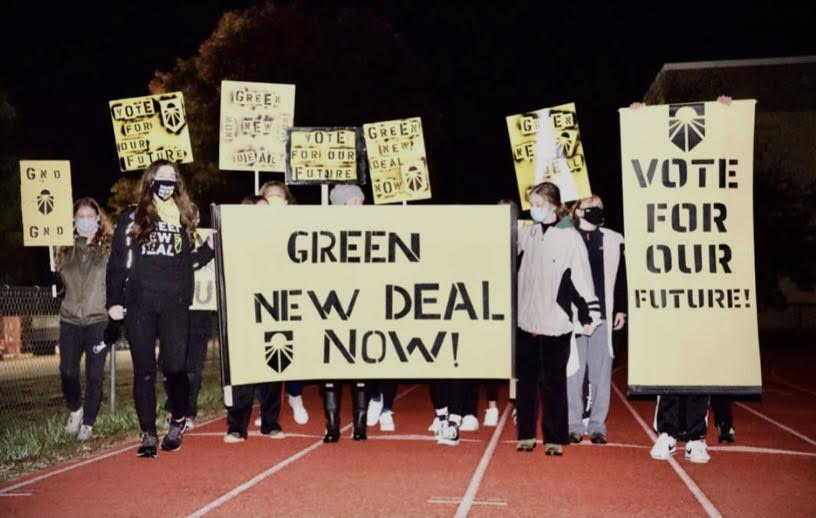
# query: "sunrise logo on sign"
[[686, 125], [279, 356]]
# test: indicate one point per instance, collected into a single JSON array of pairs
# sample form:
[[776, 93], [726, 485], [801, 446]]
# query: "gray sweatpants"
[[593, 356]]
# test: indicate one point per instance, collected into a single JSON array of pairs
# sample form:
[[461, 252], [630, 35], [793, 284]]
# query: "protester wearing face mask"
[[594, 352], [83, 317], [150, 272], [554, 276]]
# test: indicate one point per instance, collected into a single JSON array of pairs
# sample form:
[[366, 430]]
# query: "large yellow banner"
[[397, 162], [365, 292], [547, 147], [254, 118], [204, 298], [151, 128], [321, 155], [688, 210], [47, 204]]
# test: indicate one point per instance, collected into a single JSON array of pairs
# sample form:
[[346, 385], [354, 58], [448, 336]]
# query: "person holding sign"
[[345, 194], [277, 193], [554, 276], [679, 416], [268, 394], [150, 275], [83, 317], [594, 352]]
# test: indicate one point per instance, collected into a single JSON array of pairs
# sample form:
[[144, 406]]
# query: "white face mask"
[[540, 214], [86, 226]]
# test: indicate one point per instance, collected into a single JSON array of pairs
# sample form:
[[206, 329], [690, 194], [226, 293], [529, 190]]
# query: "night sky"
[[60, 67]]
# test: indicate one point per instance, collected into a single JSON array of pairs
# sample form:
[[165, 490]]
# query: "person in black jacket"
[[150, 275]]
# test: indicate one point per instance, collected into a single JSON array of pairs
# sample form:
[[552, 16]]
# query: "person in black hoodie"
[[150, 276]]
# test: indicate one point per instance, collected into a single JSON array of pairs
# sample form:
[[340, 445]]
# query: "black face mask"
[[164, 189], [594, 216]]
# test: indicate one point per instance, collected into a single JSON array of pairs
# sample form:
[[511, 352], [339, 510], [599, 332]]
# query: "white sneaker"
[[373, 412], [491, 417], [258, 422], [436, 425], [697, 451], [232, 438], [664, 447], [448, 434], [387, 421], [469, 423], [301, 415], [189, 424], [85, 433], [74, 422]]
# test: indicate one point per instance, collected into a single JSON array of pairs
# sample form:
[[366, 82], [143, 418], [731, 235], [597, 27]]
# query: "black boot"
[[331, 408], [359, 407]]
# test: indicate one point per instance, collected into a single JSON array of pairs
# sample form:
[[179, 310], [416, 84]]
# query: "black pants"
[[452, 394], [73, 341], [541, 369], [722, 412], [165, 318], [198, 337], [682, 417], [386, 388], [239, 414]]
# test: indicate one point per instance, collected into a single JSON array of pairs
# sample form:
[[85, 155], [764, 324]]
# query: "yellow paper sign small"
[[151, 128], [397, 161], [254, 118], [324, 155], [547, 147], [46, 202]]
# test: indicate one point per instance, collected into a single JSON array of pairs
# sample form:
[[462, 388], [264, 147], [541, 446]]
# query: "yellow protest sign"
[[324, 155], [688, 211], [370, 292], [151, 128], [547, 147], [204, 298], [254, 118], [397, 162], [47, 204]]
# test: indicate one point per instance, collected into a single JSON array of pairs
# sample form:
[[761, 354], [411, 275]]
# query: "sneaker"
[[233, 437], [373, 412], [74, 422], [436, 425], [175, 431], [189, 424], [276, 432], [553, 450], [469, 423], [301, 415], [515, 418], [598, 438], [448, 434], [664, 447], [491, 417], [85, 433], [258, 422], [526, 445], [575, 437], [729, 435], [387, 421], [148, 446], [697, 452]]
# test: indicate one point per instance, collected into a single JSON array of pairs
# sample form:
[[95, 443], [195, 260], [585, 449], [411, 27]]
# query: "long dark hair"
[[146, 216], [100, 244]]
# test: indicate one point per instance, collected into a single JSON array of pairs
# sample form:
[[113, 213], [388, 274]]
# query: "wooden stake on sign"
[[257, 183], [51, 262], [324, 194]]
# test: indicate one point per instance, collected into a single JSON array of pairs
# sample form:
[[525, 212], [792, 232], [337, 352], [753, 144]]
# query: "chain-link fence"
[[30, 388]]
